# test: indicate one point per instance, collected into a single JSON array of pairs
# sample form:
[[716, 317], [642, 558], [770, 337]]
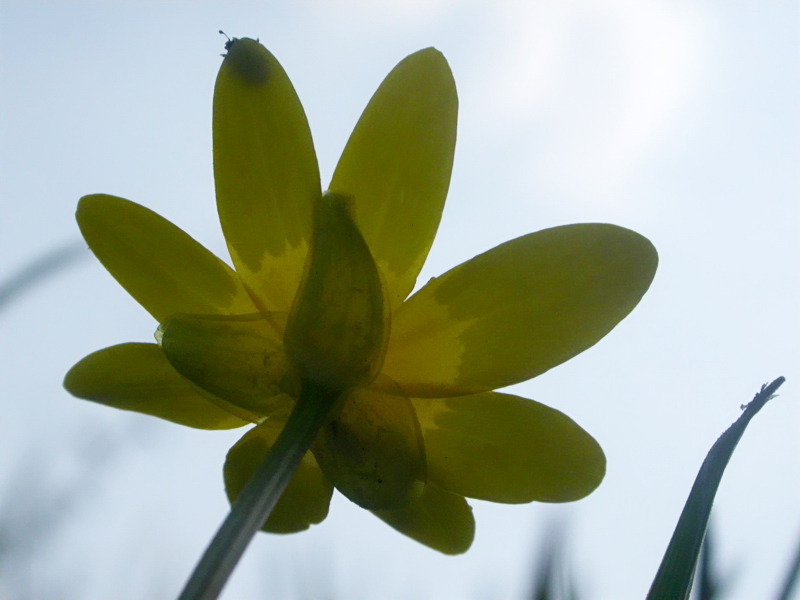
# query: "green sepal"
[[338, 325]]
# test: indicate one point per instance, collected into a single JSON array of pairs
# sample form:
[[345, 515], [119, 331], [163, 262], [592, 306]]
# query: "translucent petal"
[[397, 166], [238, 358], [439, 519], [138, 377], [505, 448], [518, 310], [163, 268], [373, 452], [266, 172], [336, 330], [305, 500]]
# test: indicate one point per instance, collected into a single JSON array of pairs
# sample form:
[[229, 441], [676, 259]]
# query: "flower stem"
[[256, 501]]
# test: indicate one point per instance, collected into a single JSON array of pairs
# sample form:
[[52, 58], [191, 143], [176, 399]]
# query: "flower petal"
[[138, 377], [162, 267], [397, 166], [305, 500], [372, 451], [504, 448], [518, 310], [238, 358], [266, 172], [439, 519]]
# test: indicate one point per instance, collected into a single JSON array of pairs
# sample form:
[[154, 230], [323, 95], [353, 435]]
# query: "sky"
[[679, 120]]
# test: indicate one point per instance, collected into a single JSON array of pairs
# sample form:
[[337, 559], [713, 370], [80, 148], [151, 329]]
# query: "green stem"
[[256, 501]]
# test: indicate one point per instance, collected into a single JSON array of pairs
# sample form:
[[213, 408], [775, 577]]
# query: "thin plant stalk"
[[255, 503]]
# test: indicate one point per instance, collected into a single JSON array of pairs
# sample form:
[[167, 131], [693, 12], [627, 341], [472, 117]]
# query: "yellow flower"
[[417, 426]]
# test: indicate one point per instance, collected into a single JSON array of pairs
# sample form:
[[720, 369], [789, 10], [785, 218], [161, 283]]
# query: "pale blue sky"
[[677, 119]]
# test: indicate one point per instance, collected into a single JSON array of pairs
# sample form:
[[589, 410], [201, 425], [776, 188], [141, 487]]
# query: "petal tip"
[[87, 203], [249, 60]]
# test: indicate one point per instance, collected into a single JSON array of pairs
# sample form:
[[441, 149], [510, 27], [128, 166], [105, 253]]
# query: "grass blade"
[[673, 581]]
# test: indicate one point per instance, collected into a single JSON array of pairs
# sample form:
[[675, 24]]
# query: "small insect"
[[230, 42], [248, 61]]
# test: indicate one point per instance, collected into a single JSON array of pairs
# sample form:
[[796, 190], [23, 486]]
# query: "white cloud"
[[597, 101]]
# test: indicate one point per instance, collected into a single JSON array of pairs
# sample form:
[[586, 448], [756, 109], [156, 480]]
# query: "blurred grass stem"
[[39, 269], [790, 584]]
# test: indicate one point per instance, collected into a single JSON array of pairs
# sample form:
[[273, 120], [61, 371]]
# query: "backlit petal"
[[518, 310], [504, 448], [397, 166], [266, 172], [305, 500], [138, 377], [439, 519], [162, 267], [238, 358], [372, 451]]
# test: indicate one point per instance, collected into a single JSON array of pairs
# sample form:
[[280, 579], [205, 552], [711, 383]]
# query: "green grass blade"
[[673, 581], [707, 584]]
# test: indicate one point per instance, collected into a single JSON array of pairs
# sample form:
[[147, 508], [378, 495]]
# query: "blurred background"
[[680, 120]]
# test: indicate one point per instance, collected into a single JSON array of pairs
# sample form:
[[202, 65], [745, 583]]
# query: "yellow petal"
[[397, 166], [505, 448], [372, 451], [238, 358], [138, 377], [163, 268], [518, 310], [439, 519], [266, 172], [336, 330], [305, 500]]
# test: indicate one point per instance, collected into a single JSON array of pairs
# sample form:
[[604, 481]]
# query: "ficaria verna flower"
[[320, 298]]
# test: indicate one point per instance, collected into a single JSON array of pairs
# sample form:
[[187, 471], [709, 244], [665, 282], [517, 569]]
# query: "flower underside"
[[320, 297]]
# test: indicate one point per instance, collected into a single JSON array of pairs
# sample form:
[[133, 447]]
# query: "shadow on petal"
[[373, 450]]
